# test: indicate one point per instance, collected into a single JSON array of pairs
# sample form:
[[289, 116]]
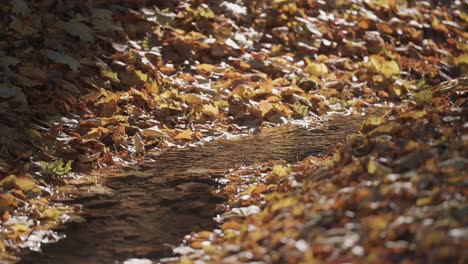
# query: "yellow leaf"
[[205, 12], [283, 203], [280, 170], [380, 65], [110, 75], [8, 182], [415, 115], [204, 235], [51, 213], [143, 77], [210, 250], [185, 135], [249, 190], [371, 122], [205, 68], [424, 201], [231, 225], [260, 189], [423, 96], [196, 244], [21, 229], [25, 184], [316, 69], [372, 166], [6, 201], [195, 99], [152, 87], [244, 65], [210, 110]]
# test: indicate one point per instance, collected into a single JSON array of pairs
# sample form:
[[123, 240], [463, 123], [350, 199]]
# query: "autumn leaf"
[[25, 184], [168, 97], [184, 135], [316, 69], [379, 64], [7, 91], [76, 28], [61, 58]]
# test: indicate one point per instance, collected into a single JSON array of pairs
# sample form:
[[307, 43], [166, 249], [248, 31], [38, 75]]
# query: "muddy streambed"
[[172, 195]]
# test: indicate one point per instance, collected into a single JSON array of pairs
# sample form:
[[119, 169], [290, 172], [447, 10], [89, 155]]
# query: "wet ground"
[[150, 212]]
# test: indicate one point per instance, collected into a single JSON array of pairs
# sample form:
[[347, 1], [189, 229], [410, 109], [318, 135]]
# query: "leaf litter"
[[93, 86]]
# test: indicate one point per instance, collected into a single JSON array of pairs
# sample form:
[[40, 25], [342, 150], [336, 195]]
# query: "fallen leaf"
[[61, 58], [76, 28], [25, 184], [184, 135]]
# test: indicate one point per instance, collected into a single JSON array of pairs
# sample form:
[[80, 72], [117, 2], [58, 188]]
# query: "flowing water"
[[149, 214]]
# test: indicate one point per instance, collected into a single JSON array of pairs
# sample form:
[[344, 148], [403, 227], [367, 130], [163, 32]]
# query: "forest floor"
[[89, 86]]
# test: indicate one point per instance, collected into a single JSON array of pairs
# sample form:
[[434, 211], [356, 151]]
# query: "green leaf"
[[55, 167], [205, 12]]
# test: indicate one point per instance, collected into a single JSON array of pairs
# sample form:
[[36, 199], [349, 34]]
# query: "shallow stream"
[[173, 195]]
